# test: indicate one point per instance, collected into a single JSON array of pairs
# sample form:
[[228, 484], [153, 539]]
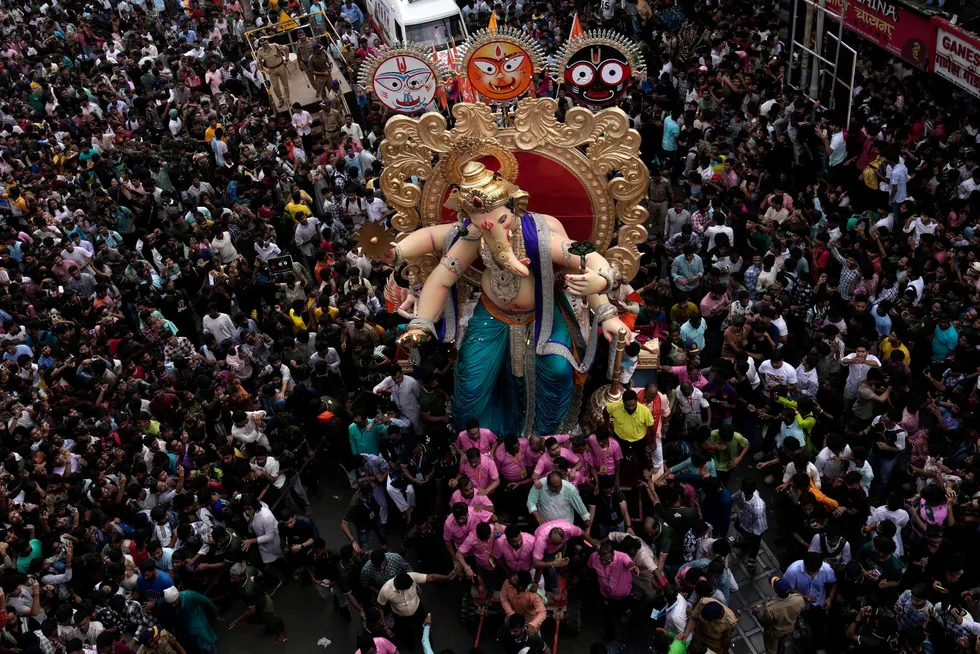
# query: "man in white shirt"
[[269, 468], [352, 130], [266, 249], [775, 372], [219, 324], [404, 392], [80, 256], [377, 210], [889, 445], [247, 428], [306, 233], [894, 511], [717, 228], [302, 122], [965, 189], [919, 225], [858, 365], [264, 525]]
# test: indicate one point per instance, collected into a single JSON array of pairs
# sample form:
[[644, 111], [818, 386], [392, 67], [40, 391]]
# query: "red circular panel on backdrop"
[[553, 191]]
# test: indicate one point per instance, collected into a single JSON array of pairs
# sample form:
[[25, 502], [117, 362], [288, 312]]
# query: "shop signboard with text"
[[892, 26], [957, 56]]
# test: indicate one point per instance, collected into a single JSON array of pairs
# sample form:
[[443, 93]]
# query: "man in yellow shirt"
[[891, 343], [209, 133], [298, 205], [632, 422]]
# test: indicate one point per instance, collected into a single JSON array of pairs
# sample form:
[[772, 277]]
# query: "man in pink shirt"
[[606, 454], [478, 437], [615, 572], [480, 469], [460, 523], [466, 493], [483, 545], [551, 548], [512, 461], [517, 549], [547, 463], [535, 450], [379, 645]]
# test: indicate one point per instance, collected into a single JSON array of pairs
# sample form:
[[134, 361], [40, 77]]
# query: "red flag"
[[577, 31]]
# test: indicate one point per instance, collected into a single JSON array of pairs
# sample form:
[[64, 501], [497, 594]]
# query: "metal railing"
[[816, 12], [302, 22]]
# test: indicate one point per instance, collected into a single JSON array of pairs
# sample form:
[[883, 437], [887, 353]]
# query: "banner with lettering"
[[892, 26], [957, 56]]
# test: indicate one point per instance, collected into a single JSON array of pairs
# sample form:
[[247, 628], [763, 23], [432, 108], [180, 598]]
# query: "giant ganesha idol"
[[522, 351]]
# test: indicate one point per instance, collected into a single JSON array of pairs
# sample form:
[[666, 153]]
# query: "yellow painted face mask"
[[500, 70]]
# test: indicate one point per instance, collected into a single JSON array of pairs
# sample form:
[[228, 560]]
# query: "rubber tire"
[[467, 611], [573, 617]]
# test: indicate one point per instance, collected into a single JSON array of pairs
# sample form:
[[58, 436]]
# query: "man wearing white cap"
[[192, 610]]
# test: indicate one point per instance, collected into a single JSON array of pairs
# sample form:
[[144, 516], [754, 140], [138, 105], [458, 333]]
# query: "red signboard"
[[957, 56], [892, 26]]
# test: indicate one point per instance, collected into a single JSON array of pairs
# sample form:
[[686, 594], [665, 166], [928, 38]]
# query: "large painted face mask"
[[404, 79], [598, 67], [404, 84], [500, 70], [597, 75], [500, 64]]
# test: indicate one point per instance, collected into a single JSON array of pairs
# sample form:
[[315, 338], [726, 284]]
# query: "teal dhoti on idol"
[[488, 387], [516, 372]]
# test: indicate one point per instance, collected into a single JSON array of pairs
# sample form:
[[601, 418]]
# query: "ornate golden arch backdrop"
[[597, 151]]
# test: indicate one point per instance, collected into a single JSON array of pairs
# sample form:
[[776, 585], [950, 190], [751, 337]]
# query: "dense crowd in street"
[[192, 341]]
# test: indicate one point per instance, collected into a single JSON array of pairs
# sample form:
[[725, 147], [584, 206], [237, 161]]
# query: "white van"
[[431, 23]]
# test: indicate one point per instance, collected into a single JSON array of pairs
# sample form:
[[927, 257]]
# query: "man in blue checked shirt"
[[814, 579], [352, 13]]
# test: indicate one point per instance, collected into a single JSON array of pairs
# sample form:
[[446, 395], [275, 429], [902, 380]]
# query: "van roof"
[[422, 11]]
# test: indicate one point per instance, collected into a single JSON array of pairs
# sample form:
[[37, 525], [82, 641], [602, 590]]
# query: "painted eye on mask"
[[419, 80], [391, 83], [583, 74], [612, 73], [486, 67], [513, 64]]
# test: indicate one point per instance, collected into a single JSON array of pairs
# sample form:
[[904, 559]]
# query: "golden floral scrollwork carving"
[[474, 119], [612, 154], [404, 161], [626, 259], [535, 124], [431, 132], [420, 267], [592, 147]]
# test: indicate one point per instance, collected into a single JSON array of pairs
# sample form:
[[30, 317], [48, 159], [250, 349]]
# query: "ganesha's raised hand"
[[587, 283], [413, 337], [611, 327], [389, 256]]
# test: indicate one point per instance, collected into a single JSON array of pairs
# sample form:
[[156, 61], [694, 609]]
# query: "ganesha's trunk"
[[504, 255]]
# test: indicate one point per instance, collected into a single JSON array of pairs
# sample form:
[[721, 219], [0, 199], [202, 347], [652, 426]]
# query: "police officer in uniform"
[[319, 68], [274, 59], [779, 614], [331, 120], [304, 48]]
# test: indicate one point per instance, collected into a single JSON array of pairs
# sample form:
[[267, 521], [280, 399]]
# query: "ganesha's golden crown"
[[476, 188]]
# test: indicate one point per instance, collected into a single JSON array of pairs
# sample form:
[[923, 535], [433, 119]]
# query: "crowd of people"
[[192, 341]]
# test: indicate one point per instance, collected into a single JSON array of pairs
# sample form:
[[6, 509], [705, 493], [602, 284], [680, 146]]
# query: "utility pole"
[[807, 33], [818, 49]]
